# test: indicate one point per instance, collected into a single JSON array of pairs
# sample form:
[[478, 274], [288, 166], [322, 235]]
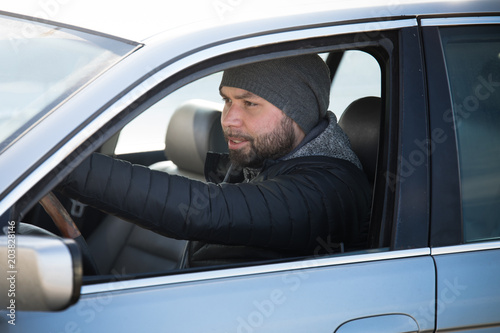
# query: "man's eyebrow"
[[245, 95]]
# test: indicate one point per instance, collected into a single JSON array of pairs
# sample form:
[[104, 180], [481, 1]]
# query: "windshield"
[[41, 65]]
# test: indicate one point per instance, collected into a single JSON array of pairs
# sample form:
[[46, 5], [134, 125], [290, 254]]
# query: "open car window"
[[180, 129]]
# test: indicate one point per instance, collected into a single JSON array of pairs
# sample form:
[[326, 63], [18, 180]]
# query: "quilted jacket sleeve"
[[281, 209]]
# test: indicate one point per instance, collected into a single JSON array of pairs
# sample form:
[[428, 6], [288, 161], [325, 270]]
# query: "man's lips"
[[237, 139], [236, 143]]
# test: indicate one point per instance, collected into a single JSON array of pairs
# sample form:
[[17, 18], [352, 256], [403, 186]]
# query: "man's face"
[[255, 129]]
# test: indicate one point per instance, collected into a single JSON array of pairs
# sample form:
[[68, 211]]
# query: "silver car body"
[[448, 289]]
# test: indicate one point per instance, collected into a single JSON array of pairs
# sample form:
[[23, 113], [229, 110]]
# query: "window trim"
[[448, 21], [446, 208], [411, 215], [464, 248], [322, 262]]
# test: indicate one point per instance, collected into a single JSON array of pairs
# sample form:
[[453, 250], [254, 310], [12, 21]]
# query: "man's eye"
[[226, 100], [248, 103]]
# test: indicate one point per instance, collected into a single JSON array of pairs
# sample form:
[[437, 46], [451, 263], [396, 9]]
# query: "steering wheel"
[[68, 229]]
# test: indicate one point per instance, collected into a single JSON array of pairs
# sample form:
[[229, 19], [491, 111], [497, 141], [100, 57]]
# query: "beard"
[[272, 145]]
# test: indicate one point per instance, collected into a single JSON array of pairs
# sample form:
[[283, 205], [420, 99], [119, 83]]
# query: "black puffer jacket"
[[292, 207]]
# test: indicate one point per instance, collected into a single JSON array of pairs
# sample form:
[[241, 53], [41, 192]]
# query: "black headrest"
[[361, 122]]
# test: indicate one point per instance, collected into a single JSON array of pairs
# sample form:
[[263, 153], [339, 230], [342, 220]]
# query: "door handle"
[[390, 323]]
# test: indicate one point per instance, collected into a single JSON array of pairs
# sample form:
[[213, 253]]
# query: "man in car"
[[290, 185]]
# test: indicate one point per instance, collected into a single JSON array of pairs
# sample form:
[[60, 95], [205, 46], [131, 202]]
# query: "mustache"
[[237, 135]]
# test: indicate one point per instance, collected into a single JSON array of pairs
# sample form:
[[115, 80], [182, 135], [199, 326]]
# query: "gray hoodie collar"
[[325, 139]]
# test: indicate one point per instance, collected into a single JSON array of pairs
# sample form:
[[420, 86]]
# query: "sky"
[[124, 18]]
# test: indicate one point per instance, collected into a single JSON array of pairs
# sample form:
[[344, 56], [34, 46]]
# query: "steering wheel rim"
[[68, 229]]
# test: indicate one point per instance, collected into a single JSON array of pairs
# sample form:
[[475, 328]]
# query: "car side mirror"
[[39, 273]]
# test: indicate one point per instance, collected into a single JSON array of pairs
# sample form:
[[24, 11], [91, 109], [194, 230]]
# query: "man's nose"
[[231, 116]]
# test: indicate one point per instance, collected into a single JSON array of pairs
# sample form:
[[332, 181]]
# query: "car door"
[[463, 61], [389, 287]]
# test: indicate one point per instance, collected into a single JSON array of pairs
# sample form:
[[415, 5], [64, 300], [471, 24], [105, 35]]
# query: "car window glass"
[[357, 76], [472, 56], [41, 65]]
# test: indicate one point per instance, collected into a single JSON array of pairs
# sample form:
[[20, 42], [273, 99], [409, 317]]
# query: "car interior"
[[121, 249]]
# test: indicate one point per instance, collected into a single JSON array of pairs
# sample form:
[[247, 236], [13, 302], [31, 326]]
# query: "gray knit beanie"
[[299, 86]]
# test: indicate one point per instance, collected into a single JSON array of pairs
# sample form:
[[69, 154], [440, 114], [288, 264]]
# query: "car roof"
[[140, 20]]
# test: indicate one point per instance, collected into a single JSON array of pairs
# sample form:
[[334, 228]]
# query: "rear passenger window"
[[472, 56]]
